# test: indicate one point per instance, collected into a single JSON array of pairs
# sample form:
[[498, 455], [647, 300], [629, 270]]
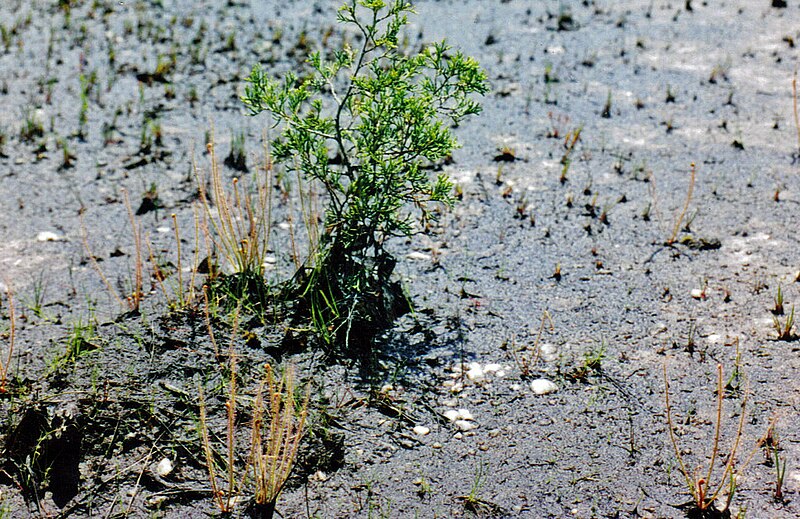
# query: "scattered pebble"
[[49, 236], [542, 386], [465, 425], [163, 230], [164, 467], [284, 225], [698, 293], [461, 414], [475, 372], [418, 256], [548, 352], [436, 445], [421, 430]]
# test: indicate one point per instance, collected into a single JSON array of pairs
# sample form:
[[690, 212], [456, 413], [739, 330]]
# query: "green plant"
[[384, 120], [778, 309], [704, 493], [83, 114], [81, 339], [570, 140], [784, 329], [237, 158], [472, 501], [780, 473], [32, 126]]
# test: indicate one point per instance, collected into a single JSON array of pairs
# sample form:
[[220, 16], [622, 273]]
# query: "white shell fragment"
[[418, 256], [542, 386], [465, 425], [48, 236], [475, 372], [697, 293], [164, 467], [421, 430], [461, 414]]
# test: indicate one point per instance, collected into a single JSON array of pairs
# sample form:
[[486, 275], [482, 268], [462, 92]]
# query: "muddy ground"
[[98, 397]]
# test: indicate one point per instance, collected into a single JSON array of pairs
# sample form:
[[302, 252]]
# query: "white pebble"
[[464, 414], [464, 425], [418, 256], [460, 414], [451, 414], [421, 430], [164, 467], [543, 386], [697, 293], [48, 236], [492, 368], [475, 372], [284, 225], [163, 230], [548, 352]]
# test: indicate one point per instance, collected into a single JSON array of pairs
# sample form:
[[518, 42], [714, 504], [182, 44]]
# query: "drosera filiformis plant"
[[699, 483]]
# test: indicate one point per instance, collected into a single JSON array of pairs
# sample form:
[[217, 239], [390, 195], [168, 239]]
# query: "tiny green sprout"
[[778, 308]]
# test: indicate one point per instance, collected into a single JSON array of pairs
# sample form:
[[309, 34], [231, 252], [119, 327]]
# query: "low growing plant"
[[699, 483], [364, 124]]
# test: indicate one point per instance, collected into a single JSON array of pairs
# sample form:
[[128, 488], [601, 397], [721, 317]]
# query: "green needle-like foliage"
[[365, 123]]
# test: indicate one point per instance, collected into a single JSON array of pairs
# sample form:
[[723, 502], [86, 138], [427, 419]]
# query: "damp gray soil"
[[565, 259]]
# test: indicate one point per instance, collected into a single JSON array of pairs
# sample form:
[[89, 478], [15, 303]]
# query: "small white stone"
[[464, 425], [450, 402], [457, 387], [500, 373], [48, 236], [452, 415], [421, 430], [458, 436], [492, 368], [270, 260], [516, 387], [163, 230], [284, 225], [475, 373], [542, 386], [548, 352], [164, 467], [436, 445], [464, 414], [697, 293], [418, 256]]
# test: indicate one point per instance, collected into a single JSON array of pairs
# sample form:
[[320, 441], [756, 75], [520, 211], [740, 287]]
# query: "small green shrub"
[[364, 124]]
